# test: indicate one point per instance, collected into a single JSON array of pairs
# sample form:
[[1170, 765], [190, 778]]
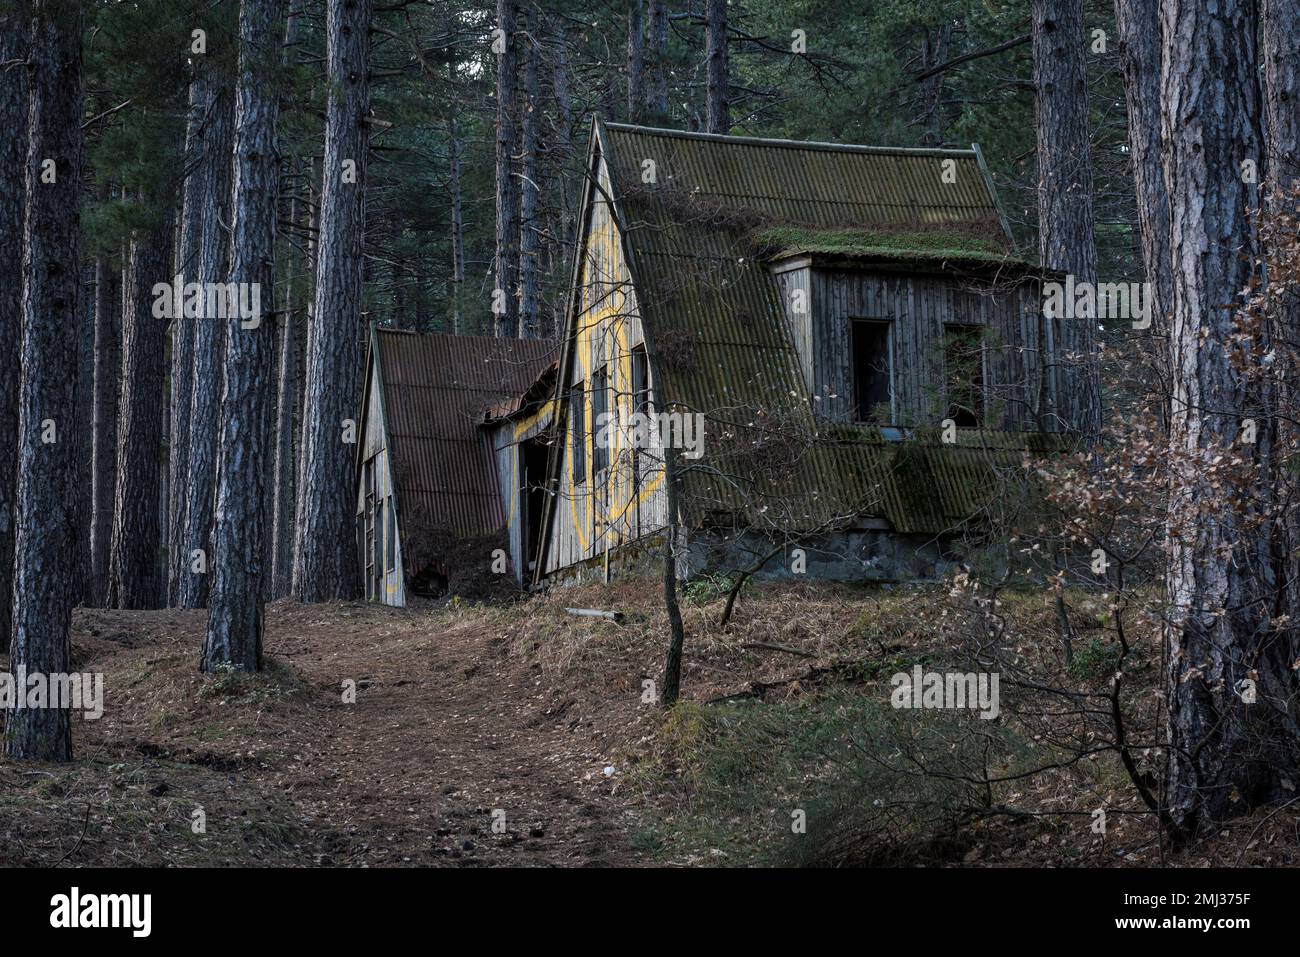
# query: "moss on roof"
[[781, 241], [694, 239]]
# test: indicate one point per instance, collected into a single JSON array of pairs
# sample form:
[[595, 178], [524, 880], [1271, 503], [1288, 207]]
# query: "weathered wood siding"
[[794, 279], [508, 437], [917, 306], [374, 447], [373, 425], [594, 513]]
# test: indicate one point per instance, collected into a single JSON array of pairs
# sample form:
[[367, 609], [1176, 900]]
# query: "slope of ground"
[[520, 735], [445, 730]]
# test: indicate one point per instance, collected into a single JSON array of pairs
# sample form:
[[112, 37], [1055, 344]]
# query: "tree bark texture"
[[715, 58], [325, 559], [1065, 216], [236, 606], [657, 84], [1226, 755], [676, 629], [188, 256], [1280, 51], [286, 470], [13, 156], [209, 345], [1138, 23], [43, 596], [530, 293], [505, 305], [635, 60], [107, 379], [134, 579]]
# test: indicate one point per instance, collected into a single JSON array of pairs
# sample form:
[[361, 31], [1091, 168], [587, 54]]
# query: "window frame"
[[578, 431], [641, 399], [390, 536], [854, 323], [599, 405]]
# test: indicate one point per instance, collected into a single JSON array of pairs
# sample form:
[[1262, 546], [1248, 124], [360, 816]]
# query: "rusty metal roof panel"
[[436, 389]]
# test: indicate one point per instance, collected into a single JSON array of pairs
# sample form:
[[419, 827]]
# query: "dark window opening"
[[390, 536], [367, 530], [600, 428], [963, 364], [578, 429], [362, 521], [872, 388], [640, 380], [534, 456], [377, 554]]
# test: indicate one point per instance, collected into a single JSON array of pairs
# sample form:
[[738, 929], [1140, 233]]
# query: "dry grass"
[[464, 709]]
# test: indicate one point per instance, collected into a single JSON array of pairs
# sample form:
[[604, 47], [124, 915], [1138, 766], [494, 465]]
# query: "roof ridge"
[[529, 343], [507, 349], [789, 144]]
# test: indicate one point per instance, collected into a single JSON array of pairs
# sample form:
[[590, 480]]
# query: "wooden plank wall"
[[917, 306], [627, 501], [373, 426]]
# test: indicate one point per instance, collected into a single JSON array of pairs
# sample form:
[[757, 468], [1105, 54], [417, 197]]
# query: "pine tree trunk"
[[107, 377], [43, 597], [1138, 23], [282, 508], [505, 305], [236, 606], [13, 155], [183, 330], [209, 345], [82, 482], [657, 88], [325, 559], [301, 423], [715, 57], [457, 226], [281, 467], [931, 118], [565, 210], [1280, 50], [676, 630], [1225, 755], [1065, 217], [529, 251], [635, 60], [133, 565], [400, 318]]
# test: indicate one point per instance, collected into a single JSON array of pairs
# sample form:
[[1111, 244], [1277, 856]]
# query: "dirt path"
[[448, 732], [448, 735]]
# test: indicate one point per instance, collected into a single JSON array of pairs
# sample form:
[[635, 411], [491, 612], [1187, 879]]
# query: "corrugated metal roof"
[[813, 184], [717, 324], [436, 389]]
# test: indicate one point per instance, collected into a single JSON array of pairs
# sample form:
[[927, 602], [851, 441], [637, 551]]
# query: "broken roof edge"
[[532, 398]]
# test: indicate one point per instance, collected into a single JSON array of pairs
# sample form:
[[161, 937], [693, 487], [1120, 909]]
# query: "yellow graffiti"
[[603, 317]]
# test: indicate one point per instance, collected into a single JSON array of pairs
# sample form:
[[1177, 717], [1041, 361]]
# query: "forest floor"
[[518, 735]]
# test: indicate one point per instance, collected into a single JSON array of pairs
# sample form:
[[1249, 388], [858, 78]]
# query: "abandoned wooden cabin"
[[431, 506], [826, 310], [848, 328]]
